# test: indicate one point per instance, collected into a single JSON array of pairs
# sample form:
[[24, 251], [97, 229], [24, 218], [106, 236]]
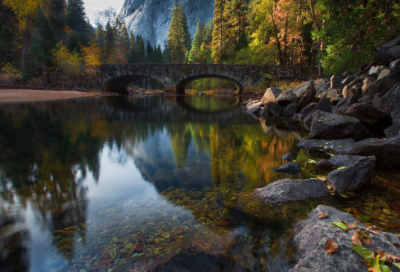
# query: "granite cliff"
[[151, 18]]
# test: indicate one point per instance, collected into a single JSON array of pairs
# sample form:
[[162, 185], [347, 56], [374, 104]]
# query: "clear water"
[[143, 184]]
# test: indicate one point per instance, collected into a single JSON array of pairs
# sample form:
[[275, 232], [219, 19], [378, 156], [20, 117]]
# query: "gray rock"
[[337, 146], [375, 70], [288, 157], [320, 85], [346, 102], [324, 105], [347, 92], [290, 167], [334, 102], [286, 98], [390, 50], [330, 126], [270, 95], [395, 65], [311, 235], [377, 102], [392, 106], [330, 93], [290, 110], [324, 164], [359, 170], [287, 190], [254, 107], [305, 94], [346, 74], [384, 85], [308, 109], [263, 111], [368, 99], [275, 109], [386, 151], [368, 81], [367, 114], [336, 82], [151, 19], [383, 73], [348, 80]]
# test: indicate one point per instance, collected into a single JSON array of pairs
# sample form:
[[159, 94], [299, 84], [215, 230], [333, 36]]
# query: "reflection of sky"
[[117, 182]]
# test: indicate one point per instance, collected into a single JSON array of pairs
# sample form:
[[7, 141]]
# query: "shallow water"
[[144, 184]]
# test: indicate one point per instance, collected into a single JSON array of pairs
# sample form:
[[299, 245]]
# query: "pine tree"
[[140, 51], [73, 44], [57, 9], [149, 53], [197, 41], [178, 35], [132, 49], [208, 32], [76, 20], [218, 32], [242, 43], [43, 42], [125, 41]]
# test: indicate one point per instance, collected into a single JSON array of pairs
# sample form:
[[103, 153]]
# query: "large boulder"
[[274, 108], [357, 172], [336, 82], [320, 85], [305, 94], [348, 80], [350, 91], [368, 114], [290, 168], [368, 81], [386, 151], [330, 126], [395, 65], [288, 190], [290, 110], [383, 73], [270, 95], [330, 93], [390, 50], [326, 146], [384, 85], [286, 98], [312, 234], [392, 105]]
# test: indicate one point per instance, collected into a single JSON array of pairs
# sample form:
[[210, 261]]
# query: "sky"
[[93, 6]]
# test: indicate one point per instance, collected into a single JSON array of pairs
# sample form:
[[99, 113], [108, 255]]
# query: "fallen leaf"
[[331, 246], [354, 225], [356, 239], [396, 245], [396, 265], [323, 215], [340, 225], [341, 168], [390, 257], [344, 196], [372, 261]]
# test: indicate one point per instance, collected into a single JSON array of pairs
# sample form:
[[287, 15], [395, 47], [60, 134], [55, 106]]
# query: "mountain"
[[151, 18]]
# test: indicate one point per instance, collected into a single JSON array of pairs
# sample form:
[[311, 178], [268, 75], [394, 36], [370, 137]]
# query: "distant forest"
[[52, 43]]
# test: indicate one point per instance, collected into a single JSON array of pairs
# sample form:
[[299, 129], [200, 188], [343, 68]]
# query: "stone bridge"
[[174, 77]]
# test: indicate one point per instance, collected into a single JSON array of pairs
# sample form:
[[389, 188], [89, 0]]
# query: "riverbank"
[[27, 95]]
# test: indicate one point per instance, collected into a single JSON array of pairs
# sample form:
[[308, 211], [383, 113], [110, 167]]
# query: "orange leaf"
[[323, 215], [356, 239], [331, 246]]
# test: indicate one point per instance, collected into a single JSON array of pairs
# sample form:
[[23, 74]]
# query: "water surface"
[[143, 184]]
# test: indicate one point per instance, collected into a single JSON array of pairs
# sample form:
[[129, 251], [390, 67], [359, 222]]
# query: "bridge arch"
[[120, 84], [180, 87]]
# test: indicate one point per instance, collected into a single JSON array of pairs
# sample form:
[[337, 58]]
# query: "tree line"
[[51, 42]]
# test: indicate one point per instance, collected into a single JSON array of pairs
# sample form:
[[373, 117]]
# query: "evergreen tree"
[[125, 40], [76, 20], [132, 49], [140, 52], [219, 31], [57, 17], [178, 35], [43, 42], [197, 41], [149, 53], [73, 44], [208, 32], [242, 43]]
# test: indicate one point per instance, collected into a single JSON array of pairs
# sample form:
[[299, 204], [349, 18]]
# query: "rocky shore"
[[355, 118]]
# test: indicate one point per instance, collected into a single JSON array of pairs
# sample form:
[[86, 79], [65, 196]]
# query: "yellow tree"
[[26, 12]]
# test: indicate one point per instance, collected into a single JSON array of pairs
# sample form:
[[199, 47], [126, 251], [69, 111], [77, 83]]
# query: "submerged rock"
[[324, 145], [357, 172], [332, 126], [288, 190], [291, 168], [312, 234]]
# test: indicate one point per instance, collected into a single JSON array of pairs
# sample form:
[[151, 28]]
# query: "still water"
[[143, 184]]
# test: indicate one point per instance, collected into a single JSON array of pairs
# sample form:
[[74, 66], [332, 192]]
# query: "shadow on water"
[[143, 183]]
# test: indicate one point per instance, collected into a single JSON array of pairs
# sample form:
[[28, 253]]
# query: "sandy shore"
[[26, 95]]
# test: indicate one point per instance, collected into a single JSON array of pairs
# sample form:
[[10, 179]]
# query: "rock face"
[[270, 95], [287, 190], [311, 235], [390, 50], [330, 126], [290, 167], [359, 170], [151, 19]]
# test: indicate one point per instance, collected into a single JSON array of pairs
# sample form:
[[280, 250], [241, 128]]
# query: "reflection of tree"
[[180, 141], [208, 103], [13, 252]]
